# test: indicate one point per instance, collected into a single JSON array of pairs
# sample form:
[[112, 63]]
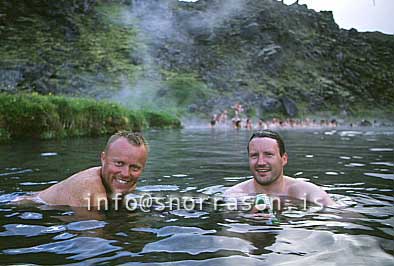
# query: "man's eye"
[[119, 163], [135, 168]]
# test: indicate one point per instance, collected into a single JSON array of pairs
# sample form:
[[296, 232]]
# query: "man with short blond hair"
[[122, 162]]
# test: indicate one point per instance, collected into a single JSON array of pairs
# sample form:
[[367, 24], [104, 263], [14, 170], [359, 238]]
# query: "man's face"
[[265, 161], [122, 165]]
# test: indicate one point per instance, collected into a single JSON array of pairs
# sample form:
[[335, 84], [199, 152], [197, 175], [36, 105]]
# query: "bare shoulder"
[[74, 190], [241, 189], [87, 177], [300, 189]]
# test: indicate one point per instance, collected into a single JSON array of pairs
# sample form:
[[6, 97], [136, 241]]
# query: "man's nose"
[[125, 171], [261, 160]]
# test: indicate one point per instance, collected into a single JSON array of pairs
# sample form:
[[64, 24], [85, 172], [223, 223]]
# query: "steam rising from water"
[[158, 26]]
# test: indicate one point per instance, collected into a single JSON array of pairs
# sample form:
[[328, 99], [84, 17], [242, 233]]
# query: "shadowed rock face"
[[262, 53], [290, 106]]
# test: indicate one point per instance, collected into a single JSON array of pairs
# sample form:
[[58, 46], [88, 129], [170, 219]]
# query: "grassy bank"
[[46, 117]]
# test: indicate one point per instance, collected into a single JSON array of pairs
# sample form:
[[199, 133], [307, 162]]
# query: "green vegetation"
[[105, 42], [74, 52], [45, 117], [185, 88], [160, 120]]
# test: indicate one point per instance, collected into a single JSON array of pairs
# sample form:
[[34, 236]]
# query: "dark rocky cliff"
[[202, 57]]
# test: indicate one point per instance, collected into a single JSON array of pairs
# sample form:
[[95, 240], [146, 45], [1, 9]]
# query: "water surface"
[[354, 166]]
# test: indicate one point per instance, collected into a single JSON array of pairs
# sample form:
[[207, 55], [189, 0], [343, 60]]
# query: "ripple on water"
[[173, 230], [378, 212], [330, 133], [247, 228], [383, 163], [188, 214], [86, 225], [383, 176], [83, 247], [13, 171], [349, 184], [327, 224], [350, 133], [48, 154], [294, 213], [230, 260], [179, 175], [212, 190], [6, 198], [331, 173], [236, 178], [64, 236], [187, 189], [354, 165], [196, 244], [38, 183], [31, 216], [28, 230], [381, 149], [322, 246], [158, 188]]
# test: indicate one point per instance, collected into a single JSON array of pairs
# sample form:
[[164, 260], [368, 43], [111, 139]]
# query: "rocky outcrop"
[[290, 106], [289, 55]]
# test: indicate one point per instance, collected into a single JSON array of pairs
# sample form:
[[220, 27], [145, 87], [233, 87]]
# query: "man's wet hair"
[[272, 135], [135, 138]]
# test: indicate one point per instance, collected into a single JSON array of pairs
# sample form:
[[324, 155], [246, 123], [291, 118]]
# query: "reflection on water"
[[354, 166]]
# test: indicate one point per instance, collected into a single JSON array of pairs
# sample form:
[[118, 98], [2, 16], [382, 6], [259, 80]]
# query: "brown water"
[[354, 166]]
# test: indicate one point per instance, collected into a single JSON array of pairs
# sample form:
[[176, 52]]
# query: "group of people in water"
[[240, 120], [124, 157], [274, 123]]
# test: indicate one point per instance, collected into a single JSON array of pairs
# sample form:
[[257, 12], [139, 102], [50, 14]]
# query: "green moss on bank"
[[45, 117], [186, 88], [160, 120]]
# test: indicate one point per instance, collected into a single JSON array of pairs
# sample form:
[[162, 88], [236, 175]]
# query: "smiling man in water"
[[267, 158], [122, 163]]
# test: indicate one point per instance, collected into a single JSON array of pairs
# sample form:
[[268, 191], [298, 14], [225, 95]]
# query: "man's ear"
[[102, 157], [285, 157]]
